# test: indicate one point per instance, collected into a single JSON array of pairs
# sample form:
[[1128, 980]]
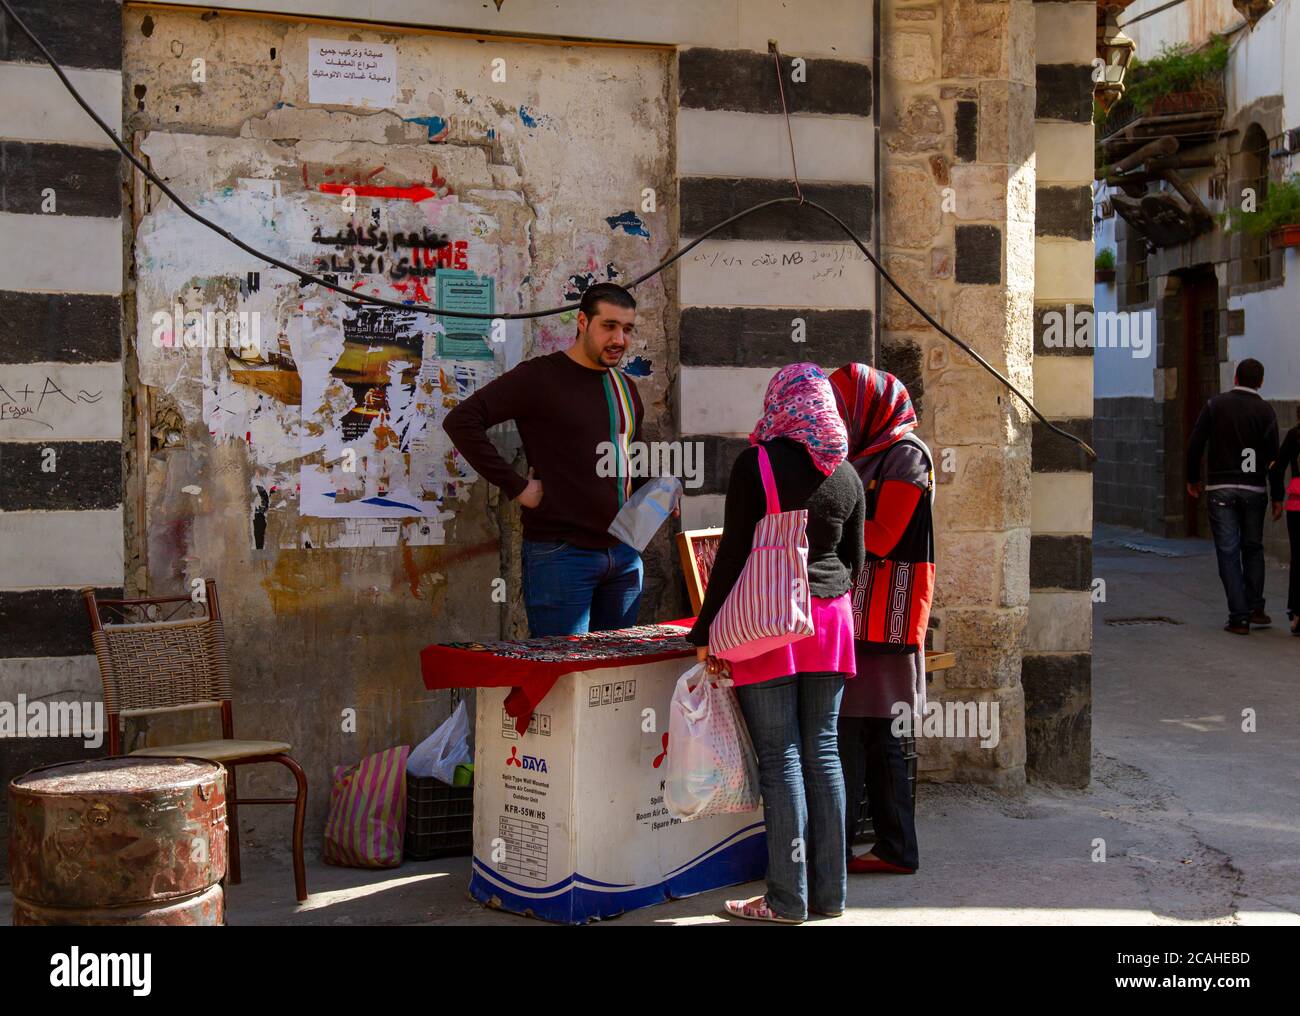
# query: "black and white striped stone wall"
[[61, 416], [783, 285], [1056, 668]]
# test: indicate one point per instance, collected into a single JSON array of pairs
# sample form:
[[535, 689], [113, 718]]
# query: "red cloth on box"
[[530, 667]]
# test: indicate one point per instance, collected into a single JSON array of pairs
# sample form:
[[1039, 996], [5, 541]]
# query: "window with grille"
[[1136, 284], [1256, 259]]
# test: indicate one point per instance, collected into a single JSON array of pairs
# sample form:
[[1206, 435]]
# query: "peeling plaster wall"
[[323, 613]]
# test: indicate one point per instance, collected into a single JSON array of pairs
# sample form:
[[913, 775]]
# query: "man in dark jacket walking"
[[1240, 430]]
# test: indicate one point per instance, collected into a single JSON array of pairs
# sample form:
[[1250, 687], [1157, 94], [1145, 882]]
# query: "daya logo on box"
[[533, 762]]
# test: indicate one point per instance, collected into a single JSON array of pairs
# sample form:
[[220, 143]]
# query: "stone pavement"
[[1201, 821]]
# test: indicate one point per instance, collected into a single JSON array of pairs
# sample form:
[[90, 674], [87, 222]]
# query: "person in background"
[[1240, 429], [1288, 456], [576, 576], [896, 470], [790, 695]]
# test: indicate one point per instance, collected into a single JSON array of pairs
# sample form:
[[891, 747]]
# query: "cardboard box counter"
[[569, 819]]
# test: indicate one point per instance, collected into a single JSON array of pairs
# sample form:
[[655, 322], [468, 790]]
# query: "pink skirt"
[[828, 650]]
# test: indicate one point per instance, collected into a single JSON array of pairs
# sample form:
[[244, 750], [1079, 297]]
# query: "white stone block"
[[728, 143], [1061, 503], [61, 253], [61, 549], [37, 107], [61, 402]]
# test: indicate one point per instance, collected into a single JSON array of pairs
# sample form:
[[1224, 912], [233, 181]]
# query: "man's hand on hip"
[[530, 496]]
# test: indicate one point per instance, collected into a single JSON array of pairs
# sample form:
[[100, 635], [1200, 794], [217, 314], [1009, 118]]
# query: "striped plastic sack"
[[769, 605], [367, 816]]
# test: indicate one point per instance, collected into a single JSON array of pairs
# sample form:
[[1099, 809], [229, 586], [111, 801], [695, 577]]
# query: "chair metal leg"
[[232, 820], [299, 819]]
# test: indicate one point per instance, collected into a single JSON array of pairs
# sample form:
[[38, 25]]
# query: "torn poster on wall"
[[346, 73], [375, 408], [340, 403]]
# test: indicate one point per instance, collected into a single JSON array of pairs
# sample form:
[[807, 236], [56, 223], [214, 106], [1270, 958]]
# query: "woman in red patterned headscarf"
[[891, 611]]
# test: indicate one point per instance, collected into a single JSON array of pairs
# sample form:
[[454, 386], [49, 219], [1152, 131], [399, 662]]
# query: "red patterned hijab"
[[875, 407], [800, 405]]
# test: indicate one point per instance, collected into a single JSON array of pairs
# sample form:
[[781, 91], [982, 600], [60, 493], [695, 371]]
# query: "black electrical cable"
[[798, 200], [1147, 14]]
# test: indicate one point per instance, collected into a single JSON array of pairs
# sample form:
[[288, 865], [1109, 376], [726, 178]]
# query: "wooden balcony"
[[1192, 118]]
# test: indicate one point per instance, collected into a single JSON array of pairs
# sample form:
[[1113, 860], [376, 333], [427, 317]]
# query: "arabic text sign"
[[352, 73]]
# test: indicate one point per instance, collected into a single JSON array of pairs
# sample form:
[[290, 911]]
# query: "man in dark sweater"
[[1240, 429], [576, 413]]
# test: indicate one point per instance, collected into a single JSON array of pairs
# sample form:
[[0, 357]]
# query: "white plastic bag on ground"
[[645, 511], [442, 751], [712, 768]]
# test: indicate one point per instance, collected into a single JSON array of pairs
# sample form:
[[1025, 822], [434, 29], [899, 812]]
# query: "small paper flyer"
[[352, 73]]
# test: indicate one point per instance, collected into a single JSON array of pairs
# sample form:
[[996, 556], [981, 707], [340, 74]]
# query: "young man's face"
[[604, 336]]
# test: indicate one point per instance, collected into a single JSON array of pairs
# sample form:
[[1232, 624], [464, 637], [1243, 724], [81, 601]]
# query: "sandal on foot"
[[757, 910]]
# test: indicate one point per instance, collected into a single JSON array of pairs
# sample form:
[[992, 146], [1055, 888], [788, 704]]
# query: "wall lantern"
[[1252, 10], [1116, 50]]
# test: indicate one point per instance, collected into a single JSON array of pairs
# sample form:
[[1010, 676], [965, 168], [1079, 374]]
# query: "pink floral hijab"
[[800, 405]]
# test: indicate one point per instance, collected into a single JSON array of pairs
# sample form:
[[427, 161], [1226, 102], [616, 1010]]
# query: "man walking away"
[[1240, 429]]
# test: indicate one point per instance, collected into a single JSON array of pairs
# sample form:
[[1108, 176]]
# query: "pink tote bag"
[[769, 605]]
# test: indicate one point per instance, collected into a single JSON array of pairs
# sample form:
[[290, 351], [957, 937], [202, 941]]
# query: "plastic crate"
[[865, 832], [439, 820]]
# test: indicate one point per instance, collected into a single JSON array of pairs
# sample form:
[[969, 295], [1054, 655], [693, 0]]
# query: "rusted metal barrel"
[[119, 841]]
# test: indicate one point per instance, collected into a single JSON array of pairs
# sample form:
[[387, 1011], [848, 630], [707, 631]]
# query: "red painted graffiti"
[[416, 193]]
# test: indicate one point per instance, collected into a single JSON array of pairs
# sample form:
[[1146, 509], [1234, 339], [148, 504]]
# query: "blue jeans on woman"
[[569, 590], [792, 722]]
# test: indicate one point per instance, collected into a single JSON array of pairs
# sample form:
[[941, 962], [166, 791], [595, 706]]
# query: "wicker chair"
[[168, 654]]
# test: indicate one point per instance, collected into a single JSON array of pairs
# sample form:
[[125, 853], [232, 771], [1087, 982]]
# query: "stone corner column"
[[957, 113]]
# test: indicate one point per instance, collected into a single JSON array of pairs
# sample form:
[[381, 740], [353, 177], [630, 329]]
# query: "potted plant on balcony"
[[1277, 216], [1179, 79], [1105, 265]]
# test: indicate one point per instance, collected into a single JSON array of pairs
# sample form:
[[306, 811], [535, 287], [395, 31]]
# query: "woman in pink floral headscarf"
[[790, 695]]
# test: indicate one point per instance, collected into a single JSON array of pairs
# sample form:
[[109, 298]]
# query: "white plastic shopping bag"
[[712, 768], [645, 511], [442, 751]]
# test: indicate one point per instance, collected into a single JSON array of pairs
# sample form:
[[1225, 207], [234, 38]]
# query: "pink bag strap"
[[769, 482]]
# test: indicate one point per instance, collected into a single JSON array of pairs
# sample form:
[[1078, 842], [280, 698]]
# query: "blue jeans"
[[792, 722], [1237, 521], [569, 590]]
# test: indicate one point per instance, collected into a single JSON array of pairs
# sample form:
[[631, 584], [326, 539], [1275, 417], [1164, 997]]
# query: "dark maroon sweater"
[[564, 411]]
